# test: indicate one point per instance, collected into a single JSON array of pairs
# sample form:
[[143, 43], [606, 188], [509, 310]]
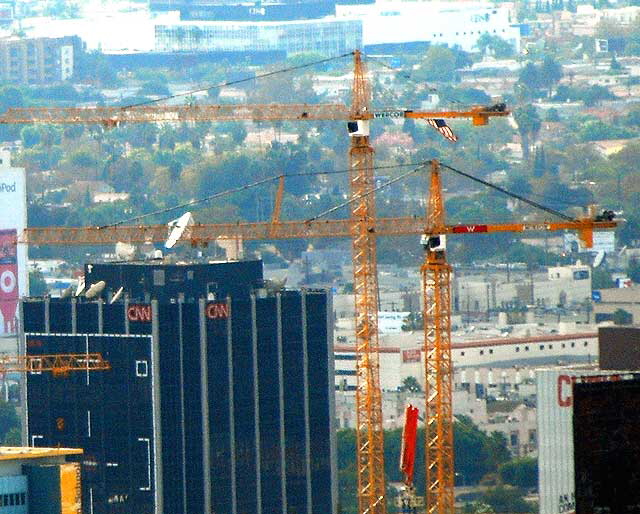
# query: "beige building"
[[607, 301], [37, 60]]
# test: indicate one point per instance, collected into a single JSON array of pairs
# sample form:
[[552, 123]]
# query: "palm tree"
[[529, 125]]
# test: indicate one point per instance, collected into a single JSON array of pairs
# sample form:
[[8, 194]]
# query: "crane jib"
[[470, 229]]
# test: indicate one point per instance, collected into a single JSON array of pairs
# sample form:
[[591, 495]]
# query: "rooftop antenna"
[[178, 228], [598, 259], [81, 286], [116, 296]]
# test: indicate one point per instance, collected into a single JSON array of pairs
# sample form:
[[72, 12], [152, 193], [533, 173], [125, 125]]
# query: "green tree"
[[552, 115], [507, 499], [622, 317], [411, 385], [154, 88], [8, 419], [550, 72], [529, 80], [522, 472], [30, 136], [494, 45], [634, 270], [439, 64], [13, 437], [37, 284], [529, 124], [595, 94], [519, 185], [539, 162], [601, 279]]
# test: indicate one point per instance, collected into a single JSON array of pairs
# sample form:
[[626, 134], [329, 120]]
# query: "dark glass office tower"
[[237, 10], [211, 406]]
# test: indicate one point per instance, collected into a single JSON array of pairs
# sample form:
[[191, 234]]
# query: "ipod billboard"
[[13, 258]]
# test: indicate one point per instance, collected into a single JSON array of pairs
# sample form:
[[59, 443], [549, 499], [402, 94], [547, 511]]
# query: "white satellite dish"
[[177, 228], [125, 251], [96, 289], [117, 296], [81, 285], [598, 259]]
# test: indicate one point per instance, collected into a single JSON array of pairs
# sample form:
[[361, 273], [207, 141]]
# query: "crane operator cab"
[[434, 243]]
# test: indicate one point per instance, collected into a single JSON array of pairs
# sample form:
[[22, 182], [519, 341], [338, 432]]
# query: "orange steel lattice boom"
[[436, 289], [369, 431], [362, 227], [60, 364]]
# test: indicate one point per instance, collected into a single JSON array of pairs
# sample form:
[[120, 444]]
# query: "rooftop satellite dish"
[[177, 228], [117, 296], [81, 286], [96, 289], [125, 251], [599, 258]]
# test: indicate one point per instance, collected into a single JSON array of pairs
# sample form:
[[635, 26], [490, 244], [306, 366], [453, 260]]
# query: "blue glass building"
[[217, 401]]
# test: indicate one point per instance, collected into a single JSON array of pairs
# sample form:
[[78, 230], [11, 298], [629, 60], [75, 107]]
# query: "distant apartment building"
[[325, 28], [607, 301], [37, 60], [323, 36], [237, 10], [562, 286], [398, 22]]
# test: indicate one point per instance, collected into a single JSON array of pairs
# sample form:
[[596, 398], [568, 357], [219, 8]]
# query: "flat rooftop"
[[25, 452]]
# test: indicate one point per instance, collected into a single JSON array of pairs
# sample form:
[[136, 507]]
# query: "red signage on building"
[[411, 355], [217, 311], [8, 280], [139, 313], [565, 386]]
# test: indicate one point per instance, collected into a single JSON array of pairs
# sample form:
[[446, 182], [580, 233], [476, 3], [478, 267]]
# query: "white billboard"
[[13, 259], [555, 438], [603, 241]]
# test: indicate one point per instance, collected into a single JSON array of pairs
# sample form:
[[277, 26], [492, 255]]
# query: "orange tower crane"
[[436, 288], [436, 275], [361, 227]]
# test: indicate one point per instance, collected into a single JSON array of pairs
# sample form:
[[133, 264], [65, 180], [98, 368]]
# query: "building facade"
[[37, 60], [211, 405], [606, 420], [327, 36], [39, 480], [237, 10]]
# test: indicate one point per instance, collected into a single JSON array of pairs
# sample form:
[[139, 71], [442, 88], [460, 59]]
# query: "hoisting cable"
[[407, 76], [367, 193], [194, 202], [509, 193], [237, 189], [239, 81]]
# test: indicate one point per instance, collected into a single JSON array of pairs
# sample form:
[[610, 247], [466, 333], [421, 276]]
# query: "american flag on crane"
[[443, 128]]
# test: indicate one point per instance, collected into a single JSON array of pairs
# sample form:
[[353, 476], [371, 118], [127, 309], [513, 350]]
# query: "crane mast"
[[370, 438], [436, 290], [362, 227]]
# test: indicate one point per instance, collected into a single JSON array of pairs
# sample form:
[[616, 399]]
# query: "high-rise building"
[[606, 433], [237, 10], [39, 480], [220, 396], [40, 60]]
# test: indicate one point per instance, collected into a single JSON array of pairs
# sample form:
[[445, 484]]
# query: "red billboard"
[[8, 280], [412, 355]]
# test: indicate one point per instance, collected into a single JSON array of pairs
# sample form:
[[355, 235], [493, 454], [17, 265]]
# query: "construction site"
[[204, 386]]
